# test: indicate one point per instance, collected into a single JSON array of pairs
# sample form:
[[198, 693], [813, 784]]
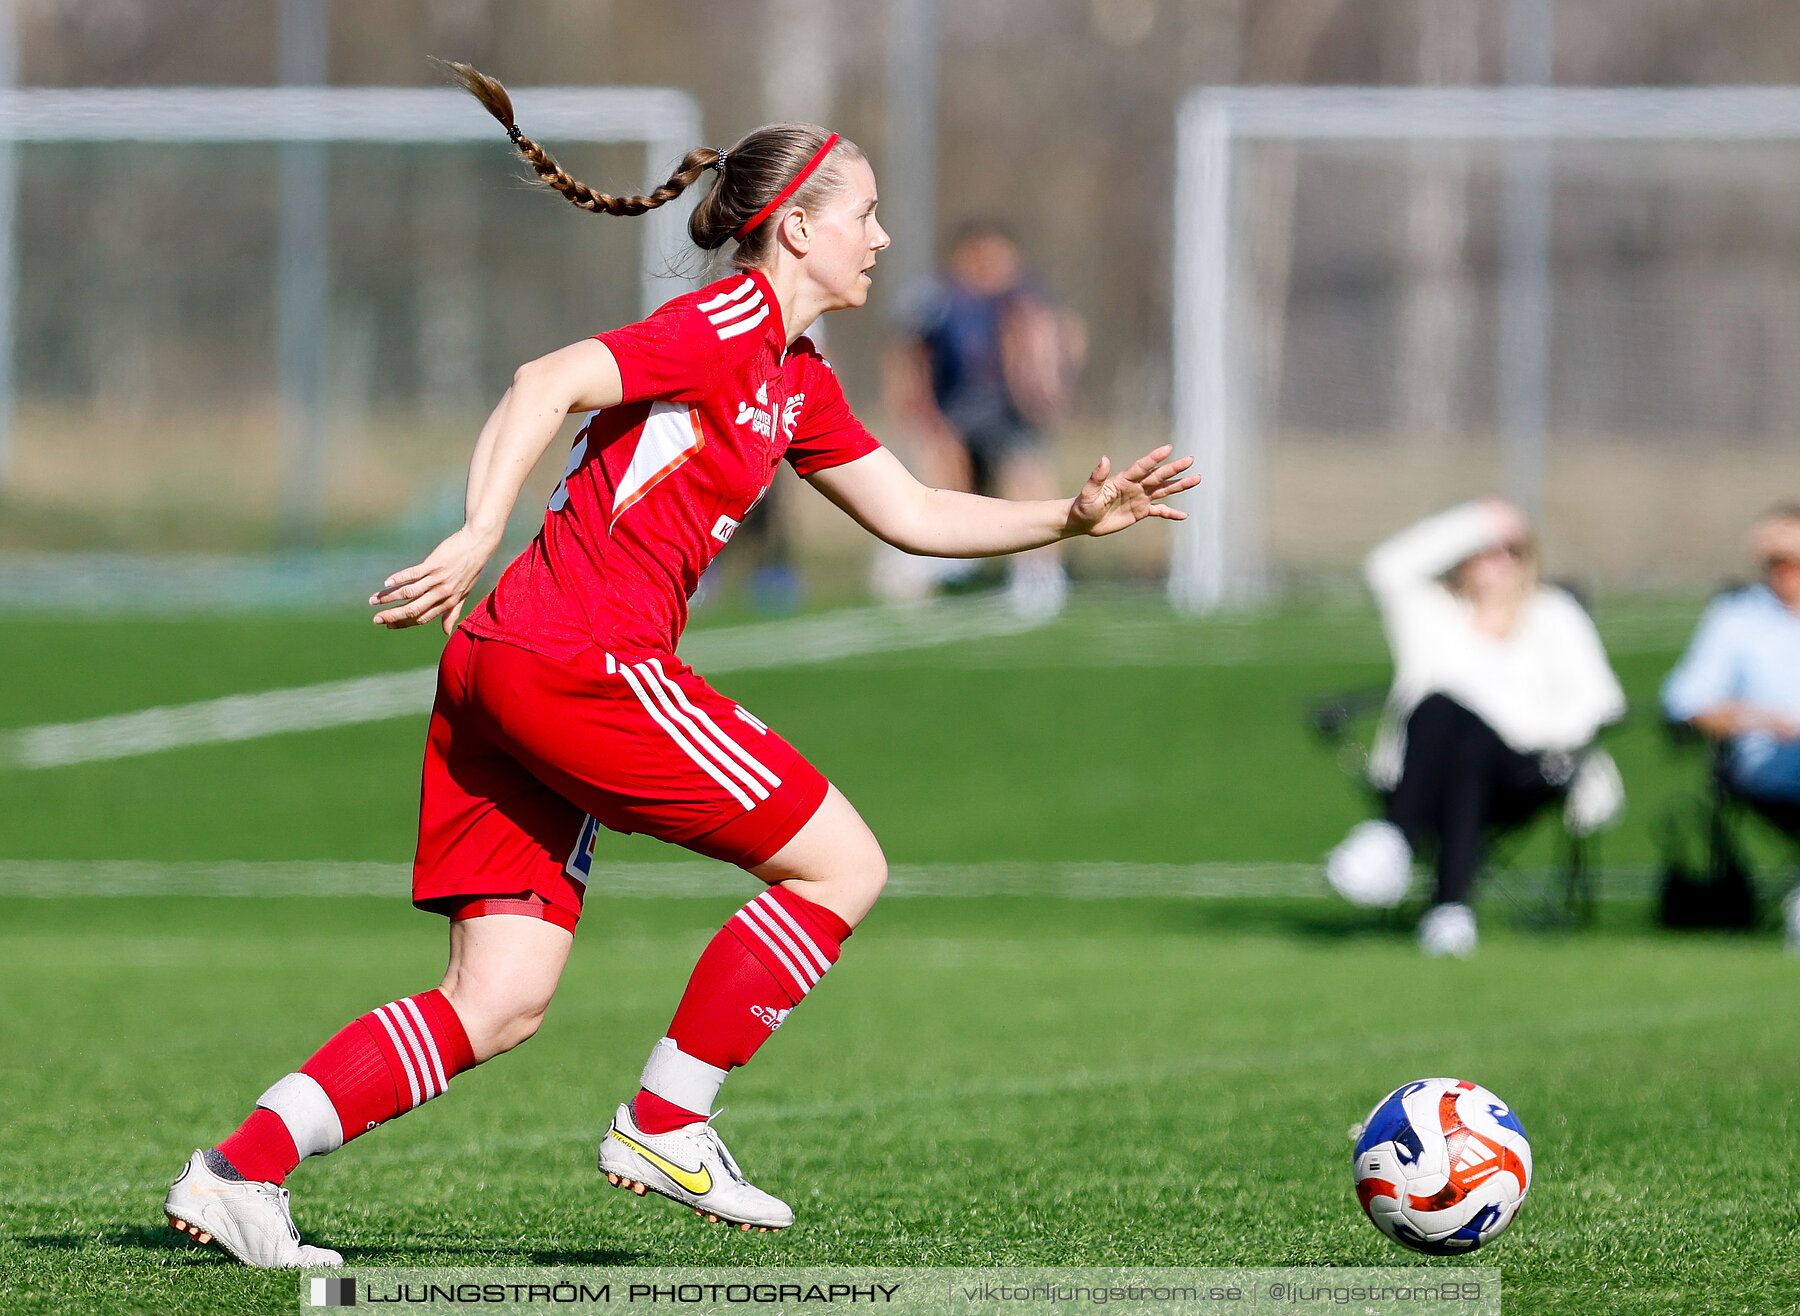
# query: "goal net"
[[245, 318], [1389, 300]]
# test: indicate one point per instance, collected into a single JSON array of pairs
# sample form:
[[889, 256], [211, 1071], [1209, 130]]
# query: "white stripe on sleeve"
[[737, 312], [729, 296], [745, 326]]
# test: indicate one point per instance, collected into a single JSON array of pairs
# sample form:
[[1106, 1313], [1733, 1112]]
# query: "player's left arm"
[[882, 496]]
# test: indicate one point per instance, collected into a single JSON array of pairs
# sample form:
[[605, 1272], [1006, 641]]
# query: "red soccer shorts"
[[528, 757]]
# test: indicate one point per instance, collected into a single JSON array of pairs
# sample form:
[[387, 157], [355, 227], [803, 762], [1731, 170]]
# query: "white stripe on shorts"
[[700, 715], [705, 764], [697, 733]]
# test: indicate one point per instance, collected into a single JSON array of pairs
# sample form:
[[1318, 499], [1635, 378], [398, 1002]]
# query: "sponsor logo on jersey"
[[773, 1019], [790, 414], [737, 310], [760, 416], [723, 529]]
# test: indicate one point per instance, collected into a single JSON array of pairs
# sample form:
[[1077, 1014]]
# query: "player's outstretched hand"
[[436, 587], [1108, 502]]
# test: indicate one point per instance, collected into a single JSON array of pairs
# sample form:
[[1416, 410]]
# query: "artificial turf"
[[1118, 732], [980, 1081]]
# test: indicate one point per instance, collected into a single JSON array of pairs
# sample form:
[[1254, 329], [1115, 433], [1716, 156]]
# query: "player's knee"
[[519, 1026], [860, 880], [872, 871], [494, 1018]]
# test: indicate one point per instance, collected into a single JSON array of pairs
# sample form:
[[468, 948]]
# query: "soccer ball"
[[1442, 1166]]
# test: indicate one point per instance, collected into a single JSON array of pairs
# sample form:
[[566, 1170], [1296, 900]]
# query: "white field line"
[[406, 694], [705, 878], [235, 717]]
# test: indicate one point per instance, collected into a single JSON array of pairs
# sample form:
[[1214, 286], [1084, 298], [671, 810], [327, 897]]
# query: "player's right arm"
[[581, 377]]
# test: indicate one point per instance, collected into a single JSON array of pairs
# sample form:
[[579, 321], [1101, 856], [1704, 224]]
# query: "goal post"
[[1221, 557]]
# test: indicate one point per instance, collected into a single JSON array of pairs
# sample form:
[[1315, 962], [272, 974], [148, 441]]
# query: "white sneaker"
[[688, 1165], [1372, 866], [1448, 930], [248, 1219]]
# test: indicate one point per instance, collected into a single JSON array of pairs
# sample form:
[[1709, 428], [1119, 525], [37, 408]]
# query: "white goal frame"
[[1218, 557], [664, 120]]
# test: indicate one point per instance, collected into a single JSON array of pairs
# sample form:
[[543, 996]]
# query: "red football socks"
[[757, 968], [379, 1066], [261, 1148]]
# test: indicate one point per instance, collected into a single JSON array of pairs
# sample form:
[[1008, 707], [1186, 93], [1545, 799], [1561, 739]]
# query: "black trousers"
[[1457, 782]]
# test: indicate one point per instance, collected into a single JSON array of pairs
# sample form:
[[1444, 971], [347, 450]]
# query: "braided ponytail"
[[752, 174], [494, 99]]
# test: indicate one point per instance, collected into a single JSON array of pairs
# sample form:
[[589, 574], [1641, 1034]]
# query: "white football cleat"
[[248, 1219], [1448, 929], [688, 1165], [1372, 866]]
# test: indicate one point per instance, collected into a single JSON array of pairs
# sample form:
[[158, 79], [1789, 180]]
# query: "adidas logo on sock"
[[773, 1018]]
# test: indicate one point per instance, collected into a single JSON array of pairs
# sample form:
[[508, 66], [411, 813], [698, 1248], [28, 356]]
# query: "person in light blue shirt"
[[1739, 681]]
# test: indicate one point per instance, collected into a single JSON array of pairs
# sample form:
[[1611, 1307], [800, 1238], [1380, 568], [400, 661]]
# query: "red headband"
[[782, 196]]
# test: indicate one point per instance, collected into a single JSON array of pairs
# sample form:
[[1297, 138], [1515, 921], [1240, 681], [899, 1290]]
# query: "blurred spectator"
[[987, 366], [1739, 681], [1500, 686]]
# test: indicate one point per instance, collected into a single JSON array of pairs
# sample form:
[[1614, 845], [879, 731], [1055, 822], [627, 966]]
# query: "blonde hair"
[[1528, 569], [1776, 535]]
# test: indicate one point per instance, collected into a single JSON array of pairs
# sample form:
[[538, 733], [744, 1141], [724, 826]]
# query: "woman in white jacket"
[[1500, 686]]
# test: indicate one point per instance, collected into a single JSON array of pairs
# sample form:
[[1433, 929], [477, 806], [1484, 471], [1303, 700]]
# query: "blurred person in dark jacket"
[[987, 368]]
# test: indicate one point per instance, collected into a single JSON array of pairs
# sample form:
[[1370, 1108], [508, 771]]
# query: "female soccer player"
[[562, 708]]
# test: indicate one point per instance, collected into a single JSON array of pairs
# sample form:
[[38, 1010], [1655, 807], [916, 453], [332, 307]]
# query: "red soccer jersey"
[[655, 486]]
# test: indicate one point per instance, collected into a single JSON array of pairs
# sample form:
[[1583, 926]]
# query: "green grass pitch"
[[981, 1080]]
